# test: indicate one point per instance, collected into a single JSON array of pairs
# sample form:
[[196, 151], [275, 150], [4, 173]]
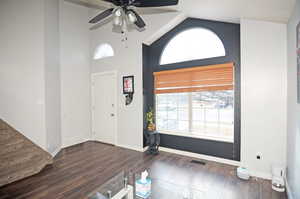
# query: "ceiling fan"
[[126, 12]]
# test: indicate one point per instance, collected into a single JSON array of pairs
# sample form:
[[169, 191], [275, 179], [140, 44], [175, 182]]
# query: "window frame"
[[190, 132]]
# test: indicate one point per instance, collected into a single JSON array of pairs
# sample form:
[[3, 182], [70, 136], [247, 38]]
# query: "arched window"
[[102, 51], [193, 44]]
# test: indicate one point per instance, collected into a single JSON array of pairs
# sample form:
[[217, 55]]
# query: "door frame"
[[93, 76]]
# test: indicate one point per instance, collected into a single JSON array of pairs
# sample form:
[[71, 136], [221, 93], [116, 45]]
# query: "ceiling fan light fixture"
[[118, 21], [126, 12], [131, 17], [118, 12]]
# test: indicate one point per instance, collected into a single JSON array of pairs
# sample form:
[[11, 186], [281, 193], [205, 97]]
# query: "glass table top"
[[124, 186]]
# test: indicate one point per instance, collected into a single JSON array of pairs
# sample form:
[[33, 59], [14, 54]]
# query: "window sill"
[[204, 137]]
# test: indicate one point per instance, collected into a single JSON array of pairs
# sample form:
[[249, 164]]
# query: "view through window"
[[207, 114]]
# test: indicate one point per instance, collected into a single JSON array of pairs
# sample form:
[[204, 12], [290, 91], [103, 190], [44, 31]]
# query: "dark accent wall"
[[229, 33]]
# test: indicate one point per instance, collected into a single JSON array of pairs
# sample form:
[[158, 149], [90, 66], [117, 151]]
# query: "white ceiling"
[[234, 10], [227, 10]]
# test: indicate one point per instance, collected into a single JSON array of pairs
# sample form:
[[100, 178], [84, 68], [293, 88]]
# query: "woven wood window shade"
[[204, 78]]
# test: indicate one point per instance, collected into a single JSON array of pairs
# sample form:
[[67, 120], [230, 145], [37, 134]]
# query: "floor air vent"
[[198, 162]]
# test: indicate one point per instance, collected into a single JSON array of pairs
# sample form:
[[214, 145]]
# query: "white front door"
[[104, 107]]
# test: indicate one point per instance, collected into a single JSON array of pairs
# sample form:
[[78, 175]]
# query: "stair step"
[[6, 134], [23, 170], [26, 164], [19, 157], [26, 150], [10, 147], [20, 153], [16, 158], [9, 138], [2, 125]]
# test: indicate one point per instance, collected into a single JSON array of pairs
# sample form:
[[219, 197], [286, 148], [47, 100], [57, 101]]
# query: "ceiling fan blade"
[[91, 4], [154, 3], [101, 23], [115, 2], [151, 11], [139, 20], [102, 16]]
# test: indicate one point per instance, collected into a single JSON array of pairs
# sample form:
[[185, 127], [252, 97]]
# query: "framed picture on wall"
[[128, 85], [298, 60]]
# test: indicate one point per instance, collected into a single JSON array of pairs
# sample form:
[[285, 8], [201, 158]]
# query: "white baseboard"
[[262, 175], [199, 156], [288, 190], [69, 143], [145, 149], [130, 147], [53, 154], [215, 159]]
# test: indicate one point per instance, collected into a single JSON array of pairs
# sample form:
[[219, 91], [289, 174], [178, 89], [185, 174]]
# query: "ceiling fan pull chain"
[[125, 39]]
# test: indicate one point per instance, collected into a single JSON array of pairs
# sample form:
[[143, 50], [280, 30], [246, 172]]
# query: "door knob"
[[112, 115]]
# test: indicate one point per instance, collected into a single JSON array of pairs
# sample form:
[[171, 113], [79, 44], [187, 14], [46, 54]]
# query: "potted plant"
[[153, 137], [150, 120]]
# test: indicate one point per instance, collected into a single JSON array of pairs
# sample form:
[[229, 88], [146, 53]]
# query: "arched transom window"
[[103, 51], [192, 44]]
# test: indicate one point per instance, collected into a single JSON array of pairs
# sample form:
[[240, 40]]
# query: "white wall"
[[22, 86], [293, 122], [52, 76], [128, 61], [29, 72], [75, 74], [264, 93]]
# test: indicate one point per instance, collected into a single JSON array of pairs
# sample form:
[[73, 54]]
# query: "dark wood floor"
[[80, 169]]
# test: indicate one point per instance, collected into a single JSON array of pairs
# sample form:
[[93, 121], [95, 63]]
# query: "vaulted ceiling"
[[234, 10], [229, 10]]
